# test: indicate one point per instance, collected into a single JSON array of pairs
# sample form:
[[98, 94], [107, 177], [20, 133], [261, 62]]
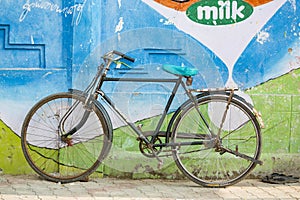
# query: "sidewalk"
[[32, 188]]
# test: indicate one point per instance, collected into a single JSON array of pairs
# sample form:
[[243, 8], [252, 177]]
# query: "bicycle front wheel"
[[216, 143], [62, 158]]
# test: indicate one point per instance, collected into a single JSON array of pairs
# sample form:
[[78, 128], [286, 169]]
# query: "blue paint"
[[262, 62], [19, 55], [44, 51]]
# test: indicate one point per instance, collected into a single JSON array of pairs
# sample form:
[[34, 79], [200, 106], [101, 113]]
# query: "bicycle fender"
[[100, 107], [208, 94], [242, 100]]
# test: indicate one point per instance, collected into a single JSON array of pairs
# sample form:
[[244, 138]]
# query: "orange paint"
[[257, 2], [185, 5], [175, 5]]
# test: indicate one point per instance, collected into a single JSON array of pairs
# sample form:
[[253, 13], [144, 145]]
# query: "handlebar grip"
[[124, 56]]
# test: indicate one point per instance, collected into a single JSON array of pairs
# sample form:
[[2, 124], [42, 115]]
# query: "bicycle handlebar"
[[123, 56]]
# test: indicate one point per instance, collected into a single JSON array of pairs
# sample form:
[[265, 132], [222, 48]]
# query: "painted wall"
[[48, 46]]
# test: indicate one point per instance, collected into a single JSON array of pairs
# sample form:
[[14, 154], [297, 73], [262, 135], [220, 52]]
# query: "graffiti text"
[[75, 10]]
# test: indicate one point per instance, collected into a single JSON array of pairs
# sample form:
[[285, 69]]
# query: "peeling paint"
[[262, 37], [166, 22], [32, 40], [293, 2], [119, 26], [47, 74]]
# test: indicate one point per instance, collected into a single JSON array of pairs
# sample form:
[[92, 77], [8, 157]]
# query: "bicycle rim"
[[66, 160], [204, 163]]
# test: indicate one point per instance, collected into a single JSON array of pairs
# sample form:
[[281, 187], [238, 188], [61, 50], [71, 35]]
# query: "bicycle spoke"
[[59, 158], [222, 159]]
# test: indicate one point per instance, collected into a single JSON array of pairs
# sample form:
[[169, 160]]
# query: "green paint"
[[12, 160], [279, 102], [286, 84], [219, 12]]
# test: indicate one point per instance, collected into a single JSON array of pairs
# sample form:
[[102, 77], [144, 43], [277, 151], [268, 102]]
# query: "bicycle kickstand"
[[160, 161]]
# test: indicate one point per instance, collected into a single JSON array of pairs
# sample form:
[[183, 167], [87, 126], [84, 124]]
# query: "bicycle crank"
[[148, 150]]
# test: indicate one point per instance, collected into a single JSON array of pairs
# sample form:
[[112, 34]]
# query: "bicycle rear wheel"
[[210, 160], [65, 159]]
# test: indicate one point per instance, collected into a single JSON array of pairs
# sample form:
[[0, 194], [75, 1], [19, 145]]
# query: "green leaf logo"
[[219, 12]]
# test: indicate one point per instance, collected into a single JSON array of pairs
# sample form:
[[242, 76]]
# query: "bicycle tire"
[[204, 164], [71, 159]]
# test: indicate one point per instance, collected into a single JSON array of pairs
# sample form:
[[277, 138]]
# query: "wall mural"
[[48, 46]]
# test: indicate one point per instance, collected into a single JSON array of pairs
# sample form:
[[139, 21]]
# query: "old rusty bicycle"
[[214, 136]]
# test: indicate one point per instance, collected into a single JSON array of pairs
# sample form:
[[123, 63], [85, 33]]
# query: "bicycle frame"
[[177, 82], [94, 90]]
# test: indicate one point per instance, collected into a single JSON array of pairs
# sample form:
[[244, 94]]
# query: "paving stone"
[[23, 188]]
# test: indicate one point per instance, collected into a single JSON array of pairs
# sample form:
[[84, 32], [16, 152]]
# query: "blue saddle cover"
[[180, 70]]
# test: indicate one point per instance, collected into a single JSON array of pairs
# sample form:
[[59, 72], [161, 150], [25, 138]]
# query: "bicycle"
[[66, 136]]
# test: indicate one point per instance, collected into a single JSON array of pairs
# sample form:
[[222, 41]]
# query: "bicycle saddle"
[[180, 70]]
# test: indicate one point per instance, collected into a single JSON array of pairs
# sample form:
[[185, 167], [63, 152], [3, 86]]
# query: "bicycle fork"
[[65, 136]]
